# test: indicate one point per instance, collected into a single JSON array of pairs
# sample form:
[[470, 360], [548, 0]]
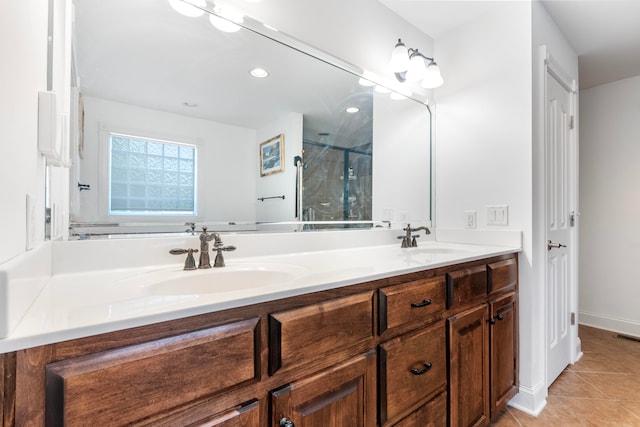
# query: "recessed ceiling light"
[[352, 110], [187, 9], [259, 73]]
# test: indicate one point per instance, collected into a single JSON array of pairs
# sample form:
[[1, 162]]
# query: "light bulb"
[[187, 9], [227, 21], [417, 69], [432, 77], [399, 58]]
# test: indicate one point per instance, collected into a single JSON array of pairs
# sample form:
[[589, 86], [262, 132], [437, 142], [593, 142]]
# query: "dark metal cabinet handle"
[[424, 303], [286, 422], [491, 320], [427, 367], [499, 316]]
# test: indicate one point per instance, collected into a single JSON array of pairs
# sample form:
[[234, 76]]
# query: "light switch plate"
[[469, 219], [498, 215]]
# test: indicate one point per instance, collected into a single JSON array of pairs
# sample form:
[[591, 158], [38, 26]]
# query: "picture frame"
[[272, 156]]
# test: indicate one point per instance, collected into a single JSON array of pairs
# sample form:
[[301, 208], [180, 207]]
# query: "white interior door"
[[559, 185]]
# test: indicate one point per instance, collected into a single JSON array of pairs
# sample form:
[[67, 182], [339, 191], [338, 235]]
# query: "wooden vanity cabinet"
[[412, 356], [469, 367], [427, 349], [483, 345], [129, 384], [504, 350], [343, 395]]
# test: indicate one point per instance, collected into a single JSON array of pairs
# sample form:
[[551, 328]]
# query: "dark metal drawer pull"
[[424, 303], [286, 422], [427, 367]]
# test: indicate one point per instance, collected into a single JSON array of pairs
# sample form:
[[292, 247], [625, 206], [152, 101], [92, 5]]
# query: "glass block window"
[[151, 177]]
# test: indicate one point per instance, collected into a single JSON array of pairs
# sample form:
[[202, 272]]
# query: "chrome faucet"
[[205, 260], [205, 238], [409, 240], [218, 246]]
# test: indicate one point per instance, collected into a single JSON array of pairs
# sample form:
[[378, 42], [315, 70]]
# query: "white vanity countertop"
[[78, 304]]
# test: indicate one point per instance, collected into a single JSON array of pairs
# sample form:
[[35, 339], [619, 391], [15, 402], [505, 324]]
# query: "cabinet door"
[[342, 396], [412, 367], [504, 350], [469, 368]]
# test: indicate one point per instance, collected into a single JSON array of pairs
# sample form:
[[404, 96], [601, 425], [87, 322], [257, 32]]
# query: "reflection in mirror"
[[147, 76]]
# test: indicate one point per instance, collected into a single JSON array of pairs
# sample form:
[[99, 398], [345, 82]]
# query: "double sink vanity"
[[291, 332]]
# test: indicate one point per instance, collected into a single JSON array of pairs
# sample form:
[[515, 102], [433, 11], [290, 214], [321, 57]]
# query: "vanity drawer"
[[106, 388], [411, 303], [431, 414], [503, 274], [466, 285], [412, 367], [303, 335]]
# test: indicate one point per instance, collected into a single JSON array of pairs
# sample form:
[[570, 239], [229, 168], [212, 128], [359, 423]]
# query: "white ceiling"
[[604, 33]]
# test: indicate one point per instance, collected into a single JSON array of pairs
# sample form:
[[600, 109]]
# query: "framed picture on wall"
[[272, 156]]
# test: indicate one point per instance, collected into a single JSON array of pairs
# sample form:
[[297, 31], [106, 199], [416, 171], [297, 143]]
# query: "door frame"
[[551, 68]]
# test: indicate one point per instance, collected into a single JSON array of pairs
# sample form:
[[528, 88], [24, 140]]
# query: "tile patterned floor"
[[602, 389]]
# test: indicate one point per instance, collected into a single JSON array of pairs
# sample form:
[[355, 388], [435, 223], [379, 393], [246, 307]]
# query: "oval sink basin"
[[436, 250], [216, 280]]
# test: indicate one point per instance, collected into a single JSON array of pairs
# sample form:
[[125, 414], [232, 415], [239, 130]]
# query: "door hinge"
[[573, 319], [572, 122]]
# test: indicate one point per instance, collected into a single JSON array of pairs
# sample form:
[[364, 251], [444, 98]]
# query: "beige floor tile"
[[615, 386], [597, 362], [571, 384], [633, 407], [556, 413], [505, 419], [599, 412]]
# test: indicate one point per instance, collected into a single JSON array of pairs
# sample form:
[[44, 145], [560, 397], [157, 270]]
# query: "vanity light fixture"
[[190, 8], [259, 73], [408, 64], [352, 110], [364, 82], [228, 19]]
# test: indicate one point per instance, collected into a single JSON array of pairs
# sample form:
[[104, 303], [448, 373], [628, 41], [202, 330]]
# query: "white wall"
[[484, 147], [23, 59], [610, 206], [226, 167]]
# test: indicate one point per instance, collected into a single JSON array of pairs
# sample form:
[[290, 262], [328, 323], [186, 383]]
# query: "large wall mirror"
[[174, 127]]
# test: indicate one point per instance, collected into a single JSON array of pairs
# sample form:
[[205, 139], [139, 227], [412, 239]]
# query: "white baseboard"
[[622, 326], [530, 400]]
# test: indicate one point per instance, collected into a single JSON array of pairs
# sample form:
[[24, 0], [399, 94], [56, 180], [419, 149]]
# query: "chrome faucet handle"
[[219, 261], [405, 243], [190, 262]]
